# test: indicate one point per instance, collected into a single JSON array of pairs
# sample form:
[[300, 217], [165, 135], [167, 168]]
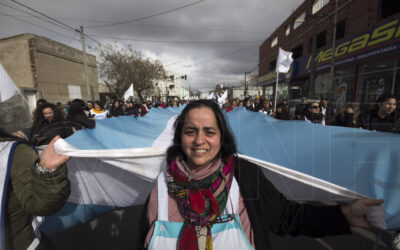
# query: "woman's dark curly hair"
[[228, 145], [57, 116], [76, 107]]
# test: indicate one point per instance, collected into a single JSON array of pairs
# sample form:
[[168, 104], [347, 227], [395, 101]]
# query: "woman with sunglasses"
[[313, 113]]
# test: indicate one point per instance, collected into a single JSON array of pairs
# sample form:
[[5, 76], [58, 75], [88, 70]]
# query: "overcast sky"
[[210, 41]]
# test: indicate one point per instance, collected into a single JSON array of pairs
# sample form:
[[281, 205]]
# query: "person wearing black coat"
[[49, 123], [383, 118], [76, 114], [116, 109]]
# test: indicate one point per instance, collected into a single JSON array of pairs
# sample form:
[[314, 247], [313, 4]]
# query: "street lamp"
[[245, 84]]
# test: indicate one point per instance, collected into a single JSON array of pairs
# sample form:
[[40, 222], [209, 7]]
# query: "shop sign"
[[382, 39], [271, 77]]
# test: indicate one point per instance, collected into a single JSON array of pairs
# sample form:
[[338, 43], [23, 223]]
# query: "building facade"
[[43, 68], [365, 38]]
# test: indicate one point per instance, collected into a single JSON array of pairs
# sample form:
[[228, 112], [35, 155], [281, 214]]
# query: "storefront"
[[366, 65]]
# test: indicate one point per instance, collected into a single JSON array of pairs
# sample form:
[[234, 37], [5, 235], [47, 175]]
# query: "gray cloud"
[[202, 26]]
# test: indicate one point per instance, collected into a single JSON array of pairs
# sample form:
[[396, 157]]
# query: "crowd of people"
[[51, 120], [381, 115]]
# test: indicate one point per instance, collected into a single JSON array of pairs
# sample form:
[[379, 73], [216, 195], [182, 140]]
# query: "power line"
[[36, 25], [166, 41], [163, 26], [29, 14], [55, 20], [143, 18]]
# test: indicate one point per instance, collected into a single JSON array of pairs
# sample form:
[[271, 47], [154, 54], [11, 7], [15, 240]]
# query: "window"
[[321, 39], [287, 30], [318, 4], [389, 8], [299, 20], [340, 29], [274, 41], [272, 65], [298, 51], [74, 91]]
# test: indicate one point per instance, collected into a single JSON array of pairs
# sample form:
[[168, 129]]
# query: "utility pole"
[[89, 92], [245, 84], [333, 45], [313, 52]]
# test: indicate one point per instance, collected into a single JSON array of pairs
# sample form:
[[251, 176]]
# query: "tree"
[[121, 67]]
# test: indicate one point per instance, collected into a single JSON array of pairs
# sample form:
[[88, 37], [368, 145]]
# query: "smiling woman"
[[209, 198]]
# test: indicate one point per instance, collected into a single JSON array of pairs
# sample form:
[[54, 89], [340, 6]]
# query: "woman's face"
[[314, 108], [116, 104], [48, 114], [201, 138], [388, 106], [96, 106]]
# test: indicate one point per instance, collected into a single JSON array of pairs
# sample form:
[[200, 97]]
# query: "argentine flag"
[[115, 164]]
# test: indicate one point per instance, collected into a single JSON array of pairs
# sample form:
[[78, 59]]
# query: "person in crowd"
[[162, 105], [240, 104], [39, 103], [76, 114], [49, 123], [88, 107], [346, 117], [299, 112], [248, 104], [116, 109], [383, 117], [328, 111], [312, 113], [143, 109], [175, 104], [267, 108], [257, 106], [149, 104], [61, 108], [98, 113], [282, 110], [206, 186], [35, 187], [131, 109], [226, 104]]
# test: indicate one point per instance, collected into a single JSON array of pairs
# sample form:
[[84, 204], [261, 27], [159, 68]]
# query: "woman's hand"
[[49, 158], [356, 211]]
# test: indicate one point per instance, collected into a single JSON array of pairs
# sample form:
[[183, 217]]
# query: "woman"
[[76, 114], [33, 187], [116, 109], [312, 113], [131, 109], [209, 198], [98, 113], [346, 117], [283, 111], [49, 123], [267, 108], [383, 117]]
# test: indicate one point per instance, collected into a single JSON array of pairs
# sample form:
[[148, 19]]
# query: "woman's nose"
[[199, 139]]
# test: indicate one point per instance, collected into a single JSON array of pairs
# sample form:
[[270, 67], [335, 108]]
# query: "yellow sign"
[[379, 35]]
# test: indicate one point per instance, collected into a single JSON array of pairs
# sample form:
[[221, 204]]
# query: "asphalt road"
[[118, 230]]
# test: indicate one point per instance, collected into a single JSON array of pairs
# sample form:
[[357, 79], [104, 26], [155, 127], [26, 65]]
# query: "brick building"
[[43, 68], [367, 51]]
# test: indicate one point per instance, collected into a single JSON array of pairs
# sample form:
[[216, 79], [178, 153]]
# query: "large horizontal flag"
[[115, 164]]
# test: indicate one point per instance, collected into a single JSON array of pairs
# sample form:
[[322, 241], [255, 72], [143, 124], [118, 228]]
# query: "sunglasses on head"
[[314, 107]]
